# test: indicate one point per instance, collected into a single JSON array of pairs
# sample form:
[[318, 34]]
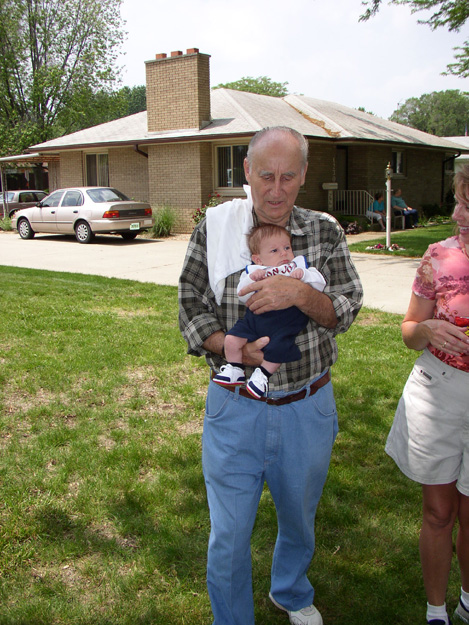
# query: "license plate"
[[135, 226]]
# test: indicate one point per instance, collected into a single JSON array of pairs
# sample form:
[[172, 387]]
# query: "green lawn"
[[414, 241], [103, 516]]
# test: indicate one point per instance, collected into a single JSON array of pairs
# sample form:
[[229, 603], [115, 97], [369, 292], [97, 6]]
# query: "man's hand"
[[274, 293], [280, 292], [252, 352]]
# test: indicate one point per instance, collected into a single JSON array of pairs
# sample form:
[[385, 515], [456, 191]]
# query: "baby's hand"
[[297, 273], [258, 274]]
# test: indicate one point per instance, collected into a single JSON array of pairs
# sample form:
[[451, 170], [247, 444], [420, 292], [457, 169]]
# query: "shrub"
[[5, 223], [164, 219], [432, 210], [213, 200]]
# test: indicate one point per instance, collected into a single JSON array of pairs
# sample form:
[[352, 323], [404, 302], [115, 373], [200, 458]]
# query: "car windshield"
[[9, 196], [106, 195]]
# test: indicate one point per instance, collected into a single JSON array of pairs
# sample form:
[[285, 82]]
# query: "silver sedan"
[[85, 211]]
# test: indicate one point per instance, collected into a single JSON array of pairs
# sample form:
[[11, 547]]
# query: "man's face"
[[276, 175]]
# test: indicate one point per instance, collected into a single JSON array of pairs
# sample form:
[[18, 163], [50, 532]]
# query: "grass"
[[414, 241], [103, 516]]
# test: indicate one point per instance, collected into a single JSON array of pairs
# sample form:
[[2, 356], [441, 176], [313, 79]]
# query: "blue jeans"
[[411, 217], [247, 442]]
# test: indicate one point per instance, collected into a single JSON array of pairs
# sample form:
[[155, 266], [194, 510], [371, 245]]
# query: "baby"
[[271, 254]]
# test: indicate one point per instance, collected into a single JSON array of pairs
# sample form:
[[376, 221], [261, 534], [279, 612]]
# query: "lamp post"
[[388, 174]]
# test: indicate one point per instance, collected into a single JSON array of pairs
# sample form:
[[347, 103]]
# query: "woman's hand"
[[419, 329], [447, 337]]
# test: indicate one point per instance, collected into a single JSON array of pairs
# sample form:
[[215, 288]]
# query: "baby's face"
[[274, 251]]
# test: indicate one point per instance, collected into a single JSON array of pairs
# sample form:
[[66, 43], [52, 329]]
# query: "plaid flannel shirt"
[[315, 235]]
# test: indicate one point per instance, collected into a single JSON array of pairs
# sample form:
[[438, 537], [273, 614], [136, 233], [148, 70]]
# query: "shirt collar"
[[296, 224]]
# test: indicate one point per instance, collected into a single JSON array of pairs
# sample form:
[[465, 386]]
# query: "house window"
[[398, 162], [97, 170], [230, 159]]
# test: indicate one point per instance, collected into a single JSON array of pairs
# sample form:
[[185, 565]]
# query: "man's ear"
[[303, 177], [246, 169]]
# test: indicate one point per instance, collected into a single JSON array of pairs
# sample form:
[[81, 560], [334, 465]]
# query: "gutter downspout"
[[446, 160], [139, 151]]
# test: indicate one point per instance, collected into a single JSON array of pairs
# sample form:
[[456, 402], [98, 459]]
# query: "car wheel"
[[12, 212], [128, 236], [24, 229], [83, 232]]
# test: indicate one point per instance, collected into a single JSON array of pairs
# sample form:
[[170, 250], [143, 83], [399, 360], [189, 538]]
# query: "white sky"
[[318, 46]]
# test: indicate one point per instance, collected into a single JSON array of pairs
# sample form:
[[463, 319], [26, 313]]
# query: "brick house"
[[463, 159], [191, 142]]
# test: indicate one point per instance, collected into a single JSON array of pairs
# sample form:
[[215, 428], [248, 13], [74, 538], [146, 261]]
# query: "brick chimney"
[[178, 91]]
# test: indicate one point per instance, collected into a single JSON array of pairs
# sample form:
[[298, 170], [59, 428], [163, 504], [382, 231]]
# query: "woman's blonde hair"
[[461, 185]]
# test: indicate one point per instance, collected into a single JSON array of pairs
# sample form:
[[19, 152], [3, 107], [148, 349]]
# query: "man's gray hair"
[[302, 142]]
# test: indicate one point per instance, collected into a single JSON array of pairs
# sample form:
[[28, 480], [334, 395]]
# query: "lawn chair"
[[396, 216]]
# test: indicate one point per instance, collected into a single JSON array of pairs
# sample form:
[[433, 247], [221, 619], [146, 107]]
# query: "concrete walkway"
[[386, 280]]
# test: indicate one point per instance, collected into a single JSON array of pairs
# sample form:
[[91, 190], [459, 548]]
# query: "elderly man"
[[285, 438], [399, 206]]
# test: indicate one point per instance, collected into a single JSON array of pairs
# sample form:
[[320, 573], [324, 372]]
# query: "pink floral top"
[[443, 276]]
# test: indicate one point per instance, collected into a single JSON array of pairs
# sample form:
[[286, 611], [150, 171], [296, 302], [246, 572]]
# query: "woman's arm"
[[419, 329]]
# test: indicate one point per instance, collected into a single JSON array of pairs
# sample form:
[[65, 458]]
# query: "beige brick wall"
[[367, 165], [421, 184], [128, 172], [180, 176], [320, 170], [71, 169], [178, 92], [423, 181]]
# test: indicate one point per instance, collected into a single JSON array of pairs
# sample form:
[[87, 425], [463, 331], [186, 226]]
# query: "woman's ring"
[[444, 345]]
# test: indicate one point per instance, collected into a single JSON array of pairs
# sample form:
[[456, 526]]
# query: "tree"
[[450, 13], [103, 106], [262, 85], [53, 55], [136, 98], [441, 113]]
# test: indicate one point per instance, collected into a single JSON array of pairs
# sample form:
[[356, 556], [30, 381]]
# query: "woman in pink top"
[[429, 438]]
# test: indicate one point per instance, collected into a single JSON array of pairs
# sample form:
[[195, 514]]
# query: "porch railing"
[[352, 202]]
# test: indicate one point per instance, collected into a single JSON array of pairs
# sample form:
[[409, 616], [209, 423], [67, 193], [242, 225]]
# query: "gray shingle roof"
[[242, 113], [462, 142]]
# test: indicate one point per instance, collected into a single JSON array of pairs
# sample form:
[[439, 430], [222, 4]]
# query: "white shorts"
[[373, 215], [429, 438]]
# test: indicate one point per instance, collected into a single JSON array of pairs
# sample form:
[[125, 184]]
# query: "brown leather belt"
[[287, 399]]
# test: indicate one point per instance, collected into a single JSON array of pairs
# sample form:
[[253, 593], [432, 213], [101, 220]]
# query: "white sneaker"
[[230, 376], [258, 384], [461, 613], [306, 616]]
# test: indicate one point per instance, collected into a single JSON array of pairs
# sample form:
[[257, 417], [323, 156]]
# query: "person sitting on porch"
[[411, 214], [377, 211]]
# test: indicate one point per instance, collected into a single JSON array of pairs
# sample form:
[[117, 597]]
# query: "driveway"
[[145, 260], [387, 280]]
